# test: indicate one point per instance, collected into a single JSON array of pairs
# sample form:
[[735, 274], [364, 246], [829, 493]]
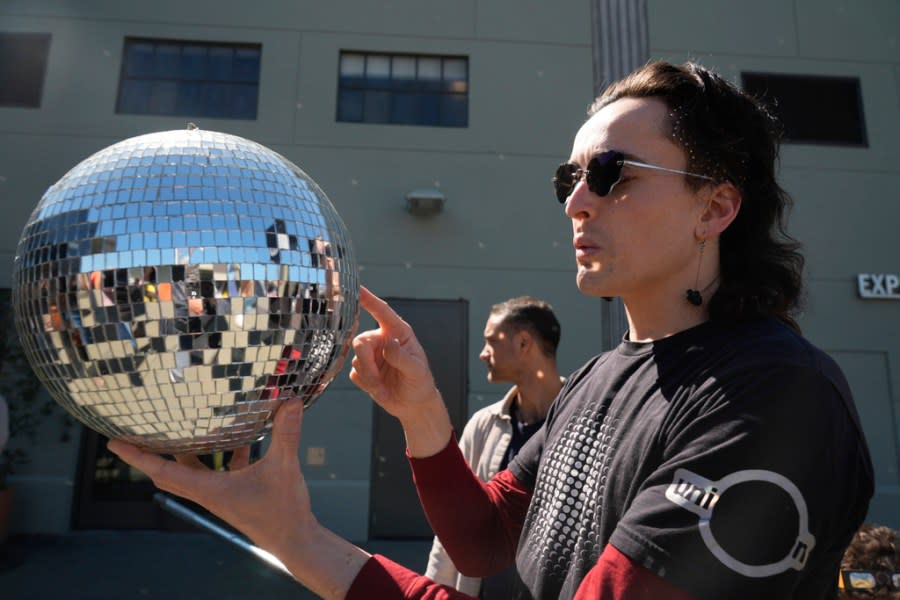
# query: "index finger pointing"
[[381, 311]]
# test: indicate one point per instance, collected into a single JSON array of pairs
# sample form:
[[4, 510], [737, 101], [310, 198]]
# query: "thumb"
[[401, 359], [286, 429]]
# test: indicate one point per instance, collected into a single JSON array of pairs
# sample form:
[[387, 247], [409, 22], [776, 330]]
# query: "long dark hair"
[[730, 136]]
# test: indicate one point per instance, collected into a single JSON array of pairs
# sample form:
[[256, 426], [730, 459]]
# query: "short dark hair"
[[533, 315], [874, 548], [730, 136]]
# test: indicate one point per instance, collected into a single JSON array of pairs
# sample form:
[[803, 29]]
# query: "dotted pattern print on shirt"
[[564, 519]]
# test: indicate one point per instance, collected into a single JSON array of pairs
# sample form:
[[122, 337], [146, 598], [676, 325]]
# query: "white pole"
[[187, 514]]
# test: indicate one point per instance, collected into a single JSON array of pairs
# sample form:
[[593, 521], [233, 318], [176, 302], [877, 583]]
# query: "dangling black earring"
[[693, 295]]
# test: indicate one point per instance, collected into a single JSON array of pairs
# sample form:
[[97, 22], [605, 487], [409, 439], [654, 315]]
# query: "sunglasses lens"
[[564, 181], [604, 171]]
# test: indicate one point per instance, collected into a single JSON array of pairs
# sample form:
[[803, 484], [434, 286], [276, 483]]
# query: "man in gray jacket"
[[520, 340]]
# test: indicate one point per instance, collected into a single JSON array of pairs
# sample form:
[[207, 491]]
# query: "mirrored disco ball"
[[172, 289]]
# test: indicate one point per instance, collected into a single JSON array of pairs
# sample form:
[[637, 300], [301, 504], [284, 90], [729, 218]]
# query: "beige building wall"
[[501, 232]]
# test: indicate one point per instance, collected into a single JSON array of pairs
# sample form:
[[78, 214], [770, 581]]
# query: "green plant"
[[21, 388]]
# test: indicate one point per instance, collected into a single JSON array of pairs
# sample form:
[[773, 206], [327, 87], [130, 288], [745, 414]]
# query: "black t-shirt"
[[728, 459], [506, 585], [521, 433]]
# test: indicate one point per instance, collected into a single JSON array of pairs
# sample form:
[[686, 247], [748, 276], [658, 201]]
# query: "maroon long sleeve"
[[384, 579], [617, 577], [478, 523], [614, 577]]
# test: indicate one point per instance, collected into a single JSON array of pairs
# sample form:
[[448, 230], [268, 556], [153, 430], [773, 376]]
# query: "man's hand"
[[259, 499], [268, 501], [390, 365]]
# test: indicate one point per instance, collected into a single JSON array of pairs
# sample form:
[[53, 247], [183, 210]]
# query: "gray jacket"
[[483, 443]]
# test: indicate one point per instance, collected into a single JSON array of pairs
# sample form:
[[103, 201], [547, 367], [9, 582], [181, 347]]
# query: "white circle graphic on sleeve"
[[700, 495]]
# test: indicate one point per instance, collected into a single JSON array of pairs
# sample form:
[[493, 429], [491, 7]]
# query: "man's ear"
[[722, 205], [523, 340]]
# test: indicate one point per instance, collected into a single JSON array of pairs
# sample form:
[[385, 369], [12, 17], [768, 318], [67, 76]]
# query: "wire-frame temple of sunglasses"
[[603, 172]]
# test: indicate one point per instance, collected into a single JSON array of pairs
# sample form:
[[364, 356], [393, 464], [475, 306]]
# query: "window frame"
[[14, 86], [804, 80], [182, 85], [403, 100]]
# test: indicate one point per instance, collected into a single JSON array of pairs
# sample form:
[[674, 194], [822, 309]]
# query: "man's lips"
[[584, 247]]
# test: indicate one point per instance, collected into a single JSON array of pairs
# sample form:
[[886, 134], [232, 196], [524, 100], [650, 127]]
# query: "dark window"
[[167, 77], [813, 109], [403, 89], [23, 61]]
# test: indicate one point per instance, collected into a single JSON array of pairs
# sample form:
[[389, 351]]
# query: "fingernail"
[[294, 406]]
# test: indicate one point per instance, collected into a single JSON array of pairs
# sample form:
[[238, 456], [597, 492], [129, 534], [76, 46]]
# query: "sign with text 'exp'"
[[880, 286]]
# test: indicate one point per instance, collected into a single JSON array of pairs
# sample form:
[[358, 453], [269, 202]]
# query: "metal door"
[[442, 328]]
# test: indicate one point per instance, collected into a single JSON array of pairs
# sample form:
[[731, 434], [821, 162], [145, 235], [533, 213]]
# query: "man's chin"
[[589, 284], [493, 378]]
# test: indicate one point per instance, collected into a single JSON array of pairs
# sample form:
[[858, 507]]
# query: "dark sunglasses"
[[868, 581], [603, 172]]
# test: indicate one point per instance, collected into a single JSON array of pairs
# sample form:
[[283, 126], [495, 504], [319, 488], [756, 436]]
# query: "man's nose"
[[581, 202]]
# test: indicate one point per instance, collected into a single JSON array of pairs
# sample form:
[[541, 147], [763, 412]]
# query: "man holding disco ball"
[[714, 454]]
